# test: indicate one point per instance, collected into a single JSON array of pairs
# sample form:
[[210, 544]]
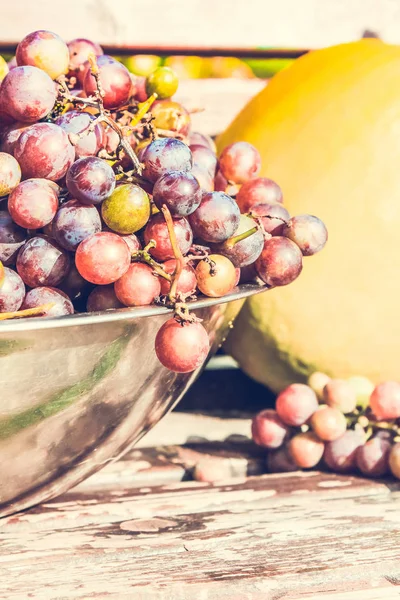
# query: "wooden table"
[[143, 529]]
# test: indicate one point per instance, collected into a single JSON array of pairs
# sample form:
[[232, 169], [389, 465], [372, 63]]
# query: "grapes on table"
[[296, 404], [268, 430]]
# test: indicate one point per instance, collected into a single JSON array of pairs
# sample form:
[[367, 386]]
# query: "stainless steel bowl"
[[79, 391]]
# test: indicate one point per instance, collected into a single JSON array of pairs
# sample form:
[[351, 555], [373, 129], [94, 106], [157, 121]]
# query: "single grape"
[[33, 203], [340, 455], [394, 460], [12, 291], [280, 262], [268, 430], [42, 262], [296, 404], [243, 252], [260, 190], [204, 178], [138, 286], [47, 295], [328, 423], [306, 449], [216, 219], [12, 237], [28, 94], [385, 400], [171, 116], [363, 389], [43, 150], [10, 173], [74, 222], [127, 209], [279, 214], [187, 281], [182, 347], [156, 229], [164, 155], [204, 157], [200, 139], [340, 394], [10, 136], [216, 276], [317, 381], [76, 123], [179, 191], [45, 50], [163, 82], [308, 232], [79, 51], [74, 285], [102, 258], [103, 298], [280, 461], [240, 162], [90, 180], [115, 82], [373, 457]]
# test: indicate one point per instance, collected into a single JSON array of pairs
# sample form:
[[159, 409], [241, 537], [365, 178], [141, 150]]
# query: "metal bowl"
[[79, 391]]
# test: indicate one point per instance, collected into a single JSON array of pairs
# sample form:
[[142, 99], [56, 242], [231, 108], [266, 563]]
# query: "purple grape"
[[340, 455], [373, 457], [43, 151], [74, 285], [33, 203], [103, 298], [268, 430], [41, 262], [199, 139], [74, 222], [246, 251], [216, 219], [260, 190], [165, 155], [308, 232], [180, 191], [12, 291], [10, 136], [12, 237], [240, 162], [115, 81], [46, 295], [273, 226], [296, 403], [157, 230], [79, 51], [74, 123], [204, 157], [28, 94], [90, 180], [280, 262], [203, 177], [280, 461]]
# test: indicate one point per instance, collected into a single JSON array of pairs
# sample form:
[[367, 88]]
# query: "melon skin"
[[328, 131]]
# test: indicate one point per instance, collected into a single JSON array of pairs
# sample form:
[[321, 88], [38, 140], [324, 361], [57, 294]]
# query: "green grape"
[[163, 82], [127, 209]]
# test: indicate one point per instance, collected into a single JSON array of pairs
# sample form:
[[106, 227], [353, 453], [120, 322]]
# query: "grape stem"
[[257, 217], [144, 256], [28, 312], [180, 261], [242, 236]]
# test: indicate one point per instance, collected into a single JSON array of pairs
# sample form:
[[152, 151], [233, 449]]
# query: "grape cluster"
[[347, 425], [108, 199]]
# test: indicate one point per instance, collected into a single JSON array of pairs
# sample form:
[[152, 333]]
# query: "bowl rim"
[[123, 314]]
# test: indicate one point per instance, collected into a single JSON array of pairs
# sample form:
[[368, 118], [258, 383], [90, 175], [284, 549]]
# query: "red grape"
[[115, 82], [43, 150], [247, 250], [138, 286], [204, 157], [171, 116], [179, 191], [75, 123], [280, 461], [204, 178], [260, 190], [157, 230], [187, 280], [12, 237], [163, 81], [328, 423], [308, 232], [200, 139], [276, 225], [102, 258], [28, 94], [216, 219], [90, 180], [340, 394], [182, 347], [74, 222], [385, 400], [317, 381], [103, 298], [268, 430], [79, 51], [41, 262], [306, 449], [296, 404], [12, 291], [46, 295], [373, 457], [10, 173], [280, 262], [45, 50], [127, 209], [10, 135], [340, 455], [394, 460], [33, 203], [164, 155], [240, 162], [216, 276]]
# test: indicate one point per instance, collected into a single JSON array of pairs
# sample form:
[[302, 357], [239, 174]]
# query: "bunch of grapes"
[[108, 199], [347, 425]]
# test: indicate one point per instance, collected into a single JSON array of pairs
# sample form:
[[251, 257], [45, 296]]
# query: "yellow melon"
[[328, 129]]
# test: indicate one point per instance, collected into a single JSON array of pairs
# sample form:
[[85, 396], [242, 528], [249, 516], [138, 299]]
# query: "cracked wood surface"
[[142, 529]]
